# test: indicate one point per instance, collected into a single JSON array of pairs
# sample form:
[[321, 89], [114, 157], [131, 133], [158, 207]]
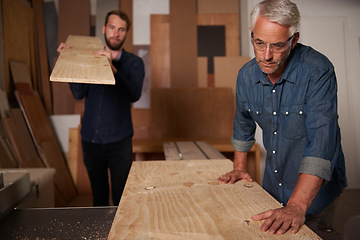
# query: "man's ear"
[[295, 39], [103, 29]]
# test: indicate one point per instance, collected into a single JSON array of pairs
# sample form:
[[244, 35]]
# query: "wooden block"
[[171, 151], [231, 22], [79, 64], [160, 51], [183, 200]]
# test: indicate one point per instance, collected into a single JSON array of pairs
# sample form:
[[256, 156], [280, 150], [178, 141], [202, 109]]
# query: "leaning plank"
[[183, 200], [79, 64], [21, 141], [47, 145]]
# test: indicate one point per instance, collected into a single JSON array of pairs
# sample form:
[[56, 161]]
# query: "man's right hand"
[[233, 176]]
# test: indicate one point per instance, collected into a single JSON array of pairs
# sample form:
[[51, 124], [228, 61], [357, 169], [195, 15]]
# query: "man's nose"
[[268, 54]]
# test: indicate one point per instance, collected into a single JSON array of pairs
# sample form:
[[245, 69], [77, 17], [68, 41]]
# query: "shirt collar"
[[119, 56]]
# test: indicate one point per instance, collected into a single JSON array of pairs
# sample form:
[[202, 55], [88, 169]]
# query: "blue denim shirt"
[[298, 116], [107, 116]]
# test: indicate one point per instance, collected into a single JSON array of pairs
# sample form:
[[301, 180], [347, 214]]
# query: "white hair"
[[283, 12]]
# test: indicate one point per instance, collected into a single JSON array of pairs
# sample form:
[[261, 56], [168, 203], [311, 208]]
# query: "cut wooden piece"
[[183, 200], [79, 64]]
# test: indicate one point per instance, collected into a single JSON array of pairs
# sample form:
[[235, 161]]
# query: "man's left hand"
[[282, 219]]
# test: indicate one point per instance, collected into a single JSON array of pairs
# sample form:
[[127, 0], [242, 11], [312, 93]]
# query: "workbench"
[[183, 200]]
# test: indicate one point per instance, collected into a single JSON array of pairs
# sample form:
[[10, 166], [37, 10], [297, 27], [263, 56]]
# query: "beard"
[[115, 46], [275, 64]]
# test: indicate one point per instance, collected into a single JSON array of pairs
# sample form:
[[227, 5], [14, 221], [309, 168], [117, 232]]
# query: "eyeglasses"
[[274, 47]]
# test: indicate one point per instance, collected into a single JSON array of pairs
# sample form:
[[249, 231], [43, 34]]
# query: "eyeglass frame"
[[270, 45]]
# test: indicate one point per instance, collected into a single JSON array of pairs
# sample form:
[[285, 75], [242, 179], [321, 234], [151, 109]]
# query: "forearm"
[[239, 160], [305, 191]]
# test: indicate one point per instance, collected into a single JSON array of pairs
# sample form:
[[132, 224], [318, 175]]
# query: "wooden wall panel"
[[127, 7], [102, 8], [226, 70], [183, 43], [231, 22], [192, 113], [218, 6], [160, 51]]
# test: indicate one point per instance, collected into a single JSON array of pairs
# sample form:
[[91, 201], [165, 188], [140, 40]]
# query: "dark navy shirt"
[[107, 116], [298, 117]]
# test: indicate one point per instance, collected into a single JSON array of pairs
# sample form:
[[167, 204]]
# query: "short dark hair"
[[121, 15]]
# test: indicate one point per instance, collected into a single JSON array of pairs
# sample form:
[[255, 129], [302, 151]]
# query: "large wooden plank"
[[190, 151], [209, 151], [79, 64], [171, 151], [182, 200], [47, 145]]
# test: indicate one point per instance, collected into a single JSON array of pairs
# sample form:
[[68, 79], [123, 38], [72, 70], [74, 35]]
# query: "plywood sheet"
[[160, 51], [79, 64], [226, 70], [231, 22], [182, 200]]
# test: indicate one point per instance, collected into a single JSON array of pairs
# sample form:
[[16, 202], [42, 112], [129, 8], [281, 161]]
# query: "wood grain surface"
[[79, 64], [182, 200]]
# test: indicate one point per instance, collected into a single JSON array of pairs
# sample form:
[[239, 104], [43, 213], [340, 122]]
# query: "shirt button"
[[249, 110], [257, 112], [274, 152], [273, 90], [275, 171], [275, 133], [287, 113], [274, 113], [280, 184], [301, 112]]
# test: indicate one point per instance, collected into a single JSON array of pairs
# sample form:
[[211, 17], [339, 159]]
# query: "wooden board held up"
[[79, 64]]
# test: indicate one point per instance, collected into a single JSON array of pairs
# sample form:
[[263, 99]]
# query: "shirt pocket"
[[258, 115], [293, 121]]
